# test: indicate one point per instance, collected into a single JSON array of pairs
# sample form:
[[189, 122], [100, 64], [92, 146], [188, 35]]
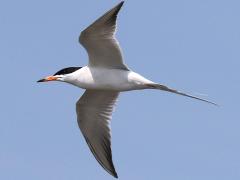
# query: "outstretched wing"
[[100, 42], [94, 111]]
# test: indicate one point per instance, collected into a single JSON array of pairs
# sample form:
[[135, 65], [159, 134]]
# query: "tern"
[[105, 76]]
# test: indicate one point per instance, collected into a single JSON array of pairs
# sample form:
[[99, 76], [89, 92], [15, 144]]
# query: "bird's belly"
[[107, 82], [109, 79]]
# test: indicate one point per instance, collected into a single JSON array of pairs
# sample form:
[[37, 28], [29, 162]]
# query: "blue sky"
[[190, 45]]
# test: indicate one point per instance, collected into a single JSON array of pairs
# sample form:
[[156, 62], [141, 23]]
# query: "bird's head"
[[60, 75]]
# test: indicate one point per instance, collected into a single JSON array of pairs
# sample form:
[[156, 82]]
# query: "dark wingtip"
[[118, 6], [115, 175], [121, 3]]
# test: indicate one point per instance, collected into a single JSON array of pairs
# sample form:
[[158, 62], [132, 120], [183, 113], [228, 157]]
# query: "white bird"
[[105, 76]]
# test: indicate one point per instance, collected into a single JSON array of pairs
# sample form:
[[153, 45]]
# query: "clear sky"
[[193, 46]]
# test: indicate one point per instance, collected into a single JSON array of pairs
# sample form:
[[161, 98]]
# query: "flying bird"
[[105, 76]]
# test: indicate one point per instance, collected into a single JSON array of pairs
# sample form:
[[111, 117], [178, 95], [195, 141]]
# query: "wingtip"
[[112, 171], [117, 8], [120, 5], [122, 2], [115, 174]]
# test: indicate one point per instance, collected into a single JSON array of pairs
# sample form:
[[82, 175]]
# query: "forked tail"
[[165, 88]]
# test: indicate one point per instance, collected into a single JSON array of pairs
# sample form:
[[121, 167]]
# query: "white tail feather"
[[165, 88]]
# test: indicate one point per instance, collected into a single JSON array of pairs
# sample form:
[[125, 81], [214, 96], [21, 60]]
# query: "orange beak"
[[49, 78]]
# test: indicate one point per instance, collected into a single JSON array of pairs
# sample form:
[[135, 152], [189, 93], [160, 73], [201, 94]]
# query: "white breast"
[[106, 79]]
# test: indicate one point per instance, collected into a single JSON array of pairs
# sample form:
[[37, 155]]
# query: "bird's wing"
[[94, 111], [100, 42]]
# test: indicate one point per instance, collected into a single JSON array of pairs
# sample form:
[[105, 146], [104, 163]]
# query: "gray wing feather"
[[94, 111], [100, 42]]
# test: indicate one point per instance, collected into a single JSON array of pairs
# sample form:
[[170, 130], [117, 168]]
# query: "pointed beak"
[[49, 78]]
